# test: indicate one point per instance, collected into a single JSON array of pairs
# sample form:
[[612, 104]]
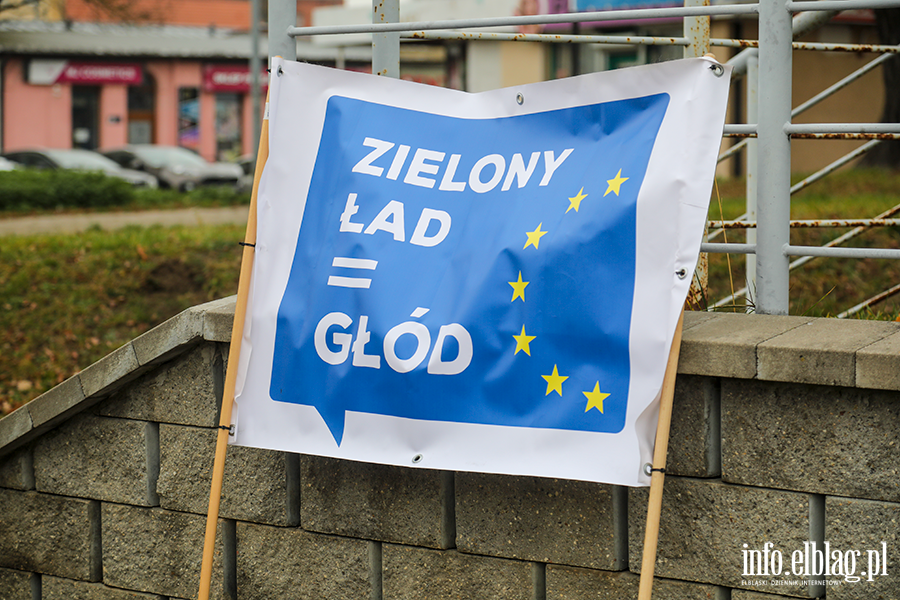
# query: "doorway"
[[141, 111]]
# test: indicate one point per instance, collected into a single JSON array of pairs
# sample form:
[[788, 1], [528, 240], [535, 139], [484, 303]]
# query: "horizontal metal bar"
[[851, 128], [839, 4], [745, 129], [675, 12], [891, 253], [811, 223], [845, 136], [817, 46], [733, 43], [728, 248], [548, 38], [828, 47]]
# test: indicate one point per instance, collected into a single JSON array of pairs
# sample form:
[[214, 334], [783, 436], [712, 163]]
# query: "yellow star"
[[522, 342], [615, 183], [554, 382], [518, 288], [576, 201], [534, 237], [595, 398]]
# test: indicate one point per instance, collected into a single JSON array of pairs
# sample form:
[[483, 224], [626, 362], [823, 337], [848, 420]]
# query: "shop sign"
[[230, 78], [50, 72]]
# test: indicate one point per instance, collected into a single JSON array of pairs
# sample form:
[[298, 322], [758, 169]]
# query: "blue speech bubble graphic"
[[468, 270]]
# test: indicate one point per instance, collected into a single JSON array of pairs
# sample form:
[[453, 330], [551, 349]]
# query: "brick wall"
[[786, 430]]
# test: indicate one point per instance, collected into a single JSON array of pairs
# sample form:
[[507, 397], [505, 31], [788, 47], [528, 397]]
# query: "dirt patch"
[[173, 276]]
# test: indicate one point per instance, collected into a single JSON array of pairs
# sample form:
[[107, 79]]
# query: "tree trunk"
[[887, 154]]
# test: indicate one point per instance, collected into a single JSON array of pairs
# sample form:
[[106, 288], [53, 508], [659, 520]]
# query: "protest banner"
[[478, 282]]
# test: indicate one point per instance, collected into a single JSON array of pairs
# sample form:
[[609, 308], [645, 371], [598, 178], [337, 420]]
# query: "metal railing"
[[768, 69]]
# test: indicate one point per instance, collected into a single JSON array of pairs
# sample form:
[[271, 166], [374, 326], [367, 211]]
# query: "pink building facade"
[[92, 102]]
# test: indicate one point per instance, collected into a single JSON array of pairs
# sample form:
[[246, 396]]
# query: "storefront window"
[[228, 126], [189, 118], [85, 116]]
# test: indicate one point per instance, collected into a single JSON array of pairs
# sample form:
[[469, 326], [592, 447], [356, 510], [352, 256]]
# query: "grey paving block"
[[259, 485], [693, 318], [546, 520], [704, 525], [49, 534], [274, 562], [726, 346], [17, 470], [158, 551], [416, 573], [110, 372], [694, 438], [376, 502], [169, 337], [218, 318], [818, 439], [56, 588], [15, 429], [569, 583], [872, 529], [181, 391], [878, 365], [95, 457], [17, 585], [822, 351], [57, 404]]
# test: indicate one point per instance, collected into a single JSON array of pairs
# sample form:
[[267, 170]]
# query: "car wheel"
[[188, 186]]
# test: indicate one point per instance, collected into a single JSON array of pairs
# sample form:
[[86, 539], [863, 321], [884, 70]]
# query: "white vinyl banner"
[[475, 282]]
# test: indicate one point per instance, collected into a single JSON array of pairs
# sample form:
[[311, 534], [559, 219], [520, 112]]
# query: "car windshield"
[[82, 159], [169, 155]]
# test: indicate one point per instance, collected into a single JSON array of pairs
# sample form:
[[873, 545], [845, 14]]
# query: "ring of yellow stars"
[[522, 342], [615, 184], [518, 288], [534, 237], [554, 381], [576, 201], [595, 398]]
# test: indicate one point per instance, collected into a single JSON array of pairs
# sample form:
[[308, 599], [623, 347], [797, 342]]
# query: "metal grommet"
[[520, 99], [682, 273], [280, 71], [417, 459], [717, 69], [648, 469]]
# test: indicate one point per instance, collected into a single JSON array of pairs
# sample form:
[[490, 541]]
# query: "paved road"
[[73, 223]]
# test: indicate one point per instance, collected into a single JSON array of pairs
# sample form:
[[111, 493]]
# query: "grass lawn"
[[68, 300]]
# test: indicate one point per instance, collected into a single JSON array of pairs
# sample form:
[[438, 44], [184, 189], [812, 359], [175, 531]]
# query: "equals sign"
[[352, 263]]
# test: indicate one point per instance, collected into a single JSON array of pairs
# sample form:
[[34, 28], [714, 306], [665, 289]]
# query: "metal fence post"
[[386, 46], [752, 81], [774, 158], [282, 15]]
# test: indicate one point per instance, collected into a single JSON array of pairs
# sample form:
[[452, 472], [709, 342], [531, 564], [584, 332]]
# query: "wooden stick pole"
[[237, 332], [658, 475]]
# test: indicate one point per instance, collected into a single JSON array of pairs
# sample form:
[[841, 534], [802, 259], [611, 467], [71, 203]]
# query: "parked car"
[[79, 160], [175, 167], [7, 165]]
